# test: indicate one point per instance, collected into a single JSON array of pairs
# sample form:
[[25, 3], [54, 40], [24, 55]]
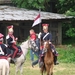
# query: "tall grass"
[[66, 55]]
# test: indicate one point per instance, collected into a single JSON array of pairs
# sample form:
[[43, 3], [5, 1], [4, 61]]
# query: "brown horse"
[[48, 59]]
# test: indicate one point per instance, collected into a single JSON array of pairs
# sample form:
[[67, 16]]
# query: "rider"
[[46, 36], [11, 41], [3, 48]]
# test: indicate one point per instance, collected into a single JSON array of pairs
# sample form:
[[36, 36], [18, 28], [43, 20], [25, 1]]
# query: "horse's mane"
[[24, 44]]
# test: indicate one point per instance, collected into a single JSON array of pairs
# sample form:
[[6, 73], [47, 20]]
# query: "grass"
[[64, 68]]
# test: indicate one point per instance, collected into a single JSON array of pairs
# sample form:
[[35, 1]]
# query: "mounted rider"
[[3, 48], [46, 36], [11, 42]]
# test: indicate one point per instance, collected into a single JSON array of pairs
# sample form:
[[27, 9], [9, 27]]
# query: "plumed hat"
[[10, 28], [45, 26]]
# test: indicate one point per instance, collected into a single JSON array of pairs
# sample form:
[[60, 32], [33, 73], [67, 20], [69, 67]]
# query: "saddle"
[[19, 53]]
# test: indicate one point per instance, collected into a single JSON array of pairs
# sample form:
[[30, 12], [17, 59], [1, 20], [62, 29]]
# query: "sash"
[[45, 36]]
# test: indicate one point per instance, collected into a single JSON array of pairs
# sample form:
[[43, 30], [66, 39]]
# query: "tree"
[[31, 4], [67, 7]]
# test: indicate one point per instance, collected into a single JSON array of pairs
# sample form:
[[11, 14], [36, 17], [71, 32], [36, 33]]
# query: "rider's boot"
[[41, 61], [13, 57], [55, 60], [55, 55]]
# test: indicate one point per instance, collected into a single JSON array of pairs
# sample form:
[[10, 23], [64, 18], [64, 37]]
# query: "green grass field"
[[64, 68]]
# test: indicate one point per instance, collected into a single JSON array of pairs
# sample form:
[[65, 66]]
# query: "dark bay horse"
[[48, 59]]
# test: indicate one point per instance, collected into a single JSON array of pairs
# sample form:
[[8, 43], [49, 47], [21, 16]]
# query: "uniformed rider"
[[46, 36], [11, 41], [3, 48]]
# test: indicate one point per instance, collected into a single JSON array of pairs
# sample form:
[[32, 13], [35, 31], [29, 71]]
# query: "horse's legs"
[[21, 69], [52, 69], [48, 69], [42, 71], [17, 68]]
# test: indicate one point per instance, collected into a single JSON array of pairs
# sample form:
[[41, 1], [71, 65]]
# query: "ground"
[[61, 69]]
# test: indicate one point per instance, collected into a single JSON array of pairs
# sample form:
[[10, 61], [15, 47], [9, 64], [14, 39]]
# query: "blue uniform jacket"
[[48, 37]]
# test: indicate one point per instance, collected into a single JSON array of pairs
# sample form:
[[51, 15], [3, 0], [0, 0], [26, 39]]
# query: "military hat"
[[10, 28], [45, 26]]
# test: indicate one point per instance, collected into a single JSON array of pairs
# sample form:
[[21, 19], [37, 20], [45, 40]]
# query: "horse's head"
[[47, 45], [33, 45]]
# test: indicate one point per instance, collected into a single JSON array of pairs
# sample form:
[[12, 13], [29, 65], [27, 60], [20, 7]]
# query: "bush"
[[66, 55]]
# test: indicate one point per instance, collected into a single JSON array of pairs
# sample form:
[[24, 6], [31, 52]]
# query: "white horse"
[[20, 60], [4, 67]]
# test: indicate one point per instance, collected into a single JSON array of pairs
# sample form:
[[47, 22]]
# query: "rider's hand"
[[16, 39]]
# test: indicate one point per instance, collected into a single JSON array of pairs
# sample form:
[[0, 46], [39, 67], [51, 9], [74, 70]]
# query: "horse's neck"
[[49, 51], [25, 44], [24, 47]]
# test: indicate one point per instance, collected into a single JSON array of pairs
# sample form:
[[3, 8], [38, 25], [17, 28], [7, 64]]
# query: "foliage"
[[31, 4], [71, 32], [68, 29], [66, 6], [67, 55]]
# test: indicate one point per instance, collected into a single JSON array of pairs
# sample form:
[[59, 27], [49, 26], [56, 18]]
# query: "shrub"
[[66, 55]]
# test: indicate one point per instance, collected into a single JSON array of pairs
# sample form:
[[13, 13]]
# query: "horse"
[[19, 61], [4, 67], [48, 59]]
